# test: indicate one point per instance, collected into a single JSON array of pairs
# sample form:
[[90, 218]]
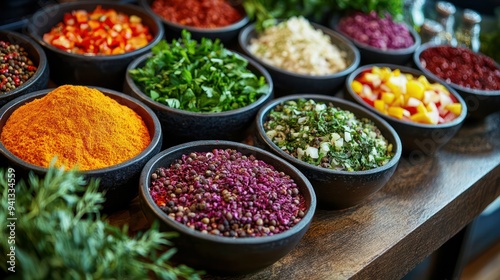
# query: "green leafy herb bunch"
[[59, 234]]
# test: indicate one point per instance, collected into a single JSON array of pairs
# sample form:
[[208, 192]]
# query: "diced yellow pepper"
[[356, 86], [399, 100], [379, 105], [455, 108], [423, 80], [388, 97], [415, 89], [396, 112], [396, 72], [393, 87], [421, 108], [421, 118]]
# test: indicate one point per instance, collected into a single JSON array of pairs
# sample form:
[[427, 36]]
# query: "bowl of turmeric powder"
[[105, 134]]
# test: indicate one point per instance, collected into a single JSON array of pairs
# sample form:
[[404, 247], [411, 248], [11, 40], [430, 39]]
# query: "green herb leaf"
[[198, 76], [60, 234]]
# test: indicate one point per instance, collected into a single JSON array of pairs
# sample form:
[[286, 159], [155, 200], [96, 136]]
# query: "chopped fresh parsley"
[[327, 136], [198, 76]]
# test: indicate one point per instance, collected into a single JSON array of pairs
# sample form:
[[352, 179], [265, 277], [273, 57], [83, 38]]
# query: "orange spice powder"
[[80, 125]]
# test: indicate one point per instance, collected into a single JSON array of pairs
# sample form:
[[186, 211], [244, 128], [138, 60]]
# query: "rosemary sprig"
[[59, 234]]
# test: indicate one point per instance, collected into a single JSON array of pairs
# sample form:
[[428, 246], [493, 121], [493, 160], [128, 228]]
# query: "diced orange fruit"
[[455, 108]]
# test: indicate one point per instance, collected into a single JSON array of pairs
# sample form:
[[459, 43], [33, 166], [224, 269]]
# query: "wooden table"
[[426, 203]]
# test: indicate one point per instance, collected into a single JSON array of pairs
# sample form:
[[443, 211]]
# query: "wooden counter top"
[[426, 202]]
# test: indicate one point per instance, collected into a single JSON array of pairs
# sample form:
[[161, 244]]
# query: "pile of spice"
[[372, 30], [296, 46], [100, 32], [198, 13], [406, 97], [199, 76], [15, 66], [80, 125], [327, 136], [462, 66], [225, 193]]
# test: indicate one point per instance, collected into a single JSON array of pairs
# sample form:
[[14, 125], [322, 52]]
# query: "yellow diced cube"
[[421, 118], [388, 97], [421, 108], [415, 89], [423, 80], [399, 100], [393, 87], [357, 86], [455, 108], [379, 105], [396, 112]]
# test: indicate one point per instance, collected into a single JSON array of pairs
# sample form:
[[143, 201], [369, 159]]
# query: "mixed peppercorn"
[[462, 66], [324, 135], [197, 13], [405, 96], [99, 32], [226, 193], [15, 66]]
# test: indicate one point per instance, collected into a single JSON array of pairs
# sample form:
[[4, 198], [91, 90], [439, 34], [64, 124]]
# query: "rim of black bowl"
[[234, 26], [411, 49], [459, 119], [379, 122], [148, 170], [155, 139], [145, 98], [245, 33], [70, 6], [42, 65], [429, 45]]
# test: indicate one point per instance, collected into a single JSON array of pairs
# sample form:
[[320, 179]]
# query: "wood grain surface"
[[426, 202]]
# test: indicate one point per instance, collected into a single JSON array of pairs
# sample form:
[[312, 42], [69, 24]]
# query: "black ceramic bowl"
[[182, 126], [102, 70], [218, 253], [370, 55], [287, 82], [119, 181], [41, 77], [480, 103], [418, 139], [226, 34], [335, 189]]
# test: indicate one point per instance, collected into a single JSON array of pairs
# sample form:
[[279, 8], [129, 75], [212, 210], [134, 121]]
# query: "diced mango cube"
[[396, 112], [399, 100], [421, 118], [356, 86], [388, 97], [379, 105], [415, 89], [423, 80], [421, 108], [393, 87], [455, 108]]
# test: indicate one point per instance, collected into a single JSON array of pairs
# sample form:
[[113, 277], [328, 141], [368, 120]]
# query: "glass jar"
[[446, 17], [430, 31], [468, 34]]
